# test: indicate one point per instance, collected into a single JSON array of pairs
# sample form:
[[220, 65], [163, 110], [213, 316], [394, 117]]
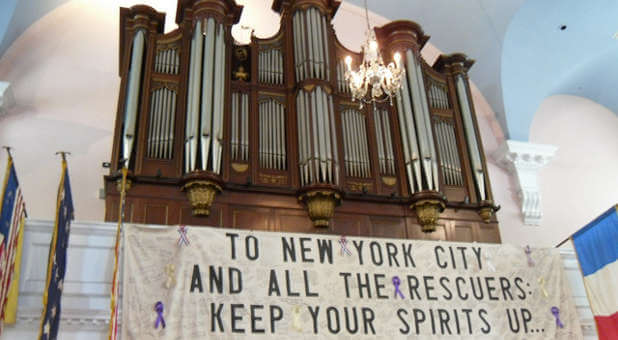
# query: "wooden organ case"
[[265, 136]]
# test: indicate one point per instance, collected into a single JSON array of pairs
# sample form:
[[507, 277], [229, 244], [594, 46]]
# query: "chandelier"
[[384, 80]]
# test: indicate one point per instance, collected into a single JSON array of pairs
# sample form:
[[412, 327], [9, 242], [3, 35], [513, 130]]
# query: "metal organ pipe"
[[162, 122], [133, 89], [300, 124], [380, 139], [278, 150], [272, 152], [297, 48], [193, 98], [205, 120], [363, 131], [309, 59], [389, 144], [326, 47], [262, 131], [317, 142], [419, 118], [334, 139], [319, 45], [176, 61], [353, 145], [346, 143], [428, 128], [283, 156], [475, 154], [408, 133], [219, 99], [245, 126], [208, 80], [234, 133], [309, 137], [385, 144], [328, 137], [444, 155], [455, 154]]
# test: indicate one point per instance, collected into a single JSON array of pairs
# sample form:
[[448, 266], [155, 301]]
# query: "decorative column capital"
[[7, 100], [524, 160]]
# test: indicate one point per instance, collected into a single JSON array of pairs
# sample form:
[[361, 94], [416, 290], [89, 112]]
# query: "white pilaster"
[[7, 100], [523, 160]]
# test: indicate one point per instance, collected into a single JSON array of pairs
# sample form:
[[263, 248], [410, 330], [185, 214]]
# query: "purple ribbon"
[[396, 283], [556, 312], [183, 239], [344, 248], [159, 310], [529, 253]]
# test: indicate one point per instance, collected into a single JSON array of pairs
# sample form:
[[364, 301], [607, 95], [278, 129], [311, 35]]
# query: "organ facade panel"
[[267, 135]]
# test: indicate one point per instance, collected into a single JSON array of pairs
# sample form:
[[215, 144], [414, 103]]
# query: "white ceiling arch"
[[522, 54]]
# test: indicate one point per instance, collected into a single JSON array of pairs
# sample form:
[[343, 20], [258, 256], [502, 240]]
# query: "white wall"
[[64, 74], [579, 184]]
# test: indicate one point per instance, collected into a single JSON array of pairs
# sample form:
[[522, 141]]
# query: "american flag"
[[50, 320], [12, 213]]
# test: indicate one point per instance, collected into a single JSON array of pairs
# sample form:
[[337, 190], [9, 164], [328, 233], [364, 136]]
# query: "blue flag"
[[56, 266]]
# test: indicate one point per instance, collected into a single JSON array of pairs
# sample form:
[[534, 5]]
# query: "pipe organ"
[[267, 136]]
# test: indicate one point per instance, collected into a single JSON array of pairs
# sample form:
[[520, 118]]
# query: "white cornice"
[[523, 160]]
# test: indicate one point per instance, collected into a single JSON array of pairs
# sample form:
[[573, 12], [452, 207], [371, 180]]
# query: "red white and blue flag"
[[12, 213], [597, 250]]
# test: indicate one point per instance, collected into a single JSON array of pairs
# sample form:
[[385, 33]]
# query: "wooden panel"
[[348, 224], [246, 217], [488, 233], [293, 221], [112, 211], [155, 213], [461, 232], [215, 219], [392, 227], [415, 232]]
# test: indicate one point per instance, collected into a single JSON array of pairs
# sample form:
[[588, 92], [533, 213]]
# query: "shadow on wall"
[[580, 182]]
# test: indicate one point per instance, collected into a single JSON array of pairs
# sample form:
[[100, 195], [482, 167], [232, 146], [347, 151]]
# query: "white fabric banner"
[[234, 284]]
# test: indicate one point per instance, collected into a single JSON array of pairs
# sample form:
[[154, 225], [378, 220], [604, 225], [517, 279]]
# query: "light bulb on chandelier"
[[384, 80]]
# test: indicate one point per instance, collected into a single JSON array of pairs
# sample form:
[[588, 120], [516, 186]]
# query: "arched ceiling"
[[559, 47], [17, 15], [522, 54]]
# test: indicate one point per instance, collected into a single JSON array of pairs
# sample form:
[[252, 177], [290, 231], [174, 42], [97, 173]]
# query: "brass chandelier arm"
[[384, 80]]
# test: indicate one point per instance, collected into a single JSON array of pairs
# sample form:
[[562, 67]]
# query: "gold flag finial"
[[63, 154], [8, 150]]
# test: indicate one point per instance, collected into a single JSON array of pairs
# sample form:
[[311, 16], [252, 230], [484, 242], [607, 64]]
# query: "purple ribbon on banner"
[[556, 312], [159, 310], [344, 249], [396, 283], [529, 254], [183, 239]]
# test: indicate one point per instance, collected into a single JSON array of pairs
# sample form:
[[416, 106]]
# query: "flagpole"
[[589, 223], [113, 321], [10, 309], [52, 249], [5, 183]]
